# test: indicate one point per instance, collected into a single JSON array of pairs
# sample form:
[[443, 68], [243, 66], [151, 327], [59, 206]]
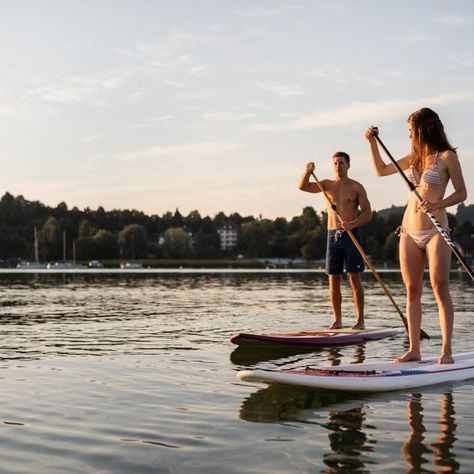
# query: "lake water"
[[134, 373]]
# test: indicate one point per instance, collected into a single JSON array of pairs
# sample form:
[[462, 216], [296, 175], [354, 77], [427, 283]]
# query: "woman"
[[430, 165]]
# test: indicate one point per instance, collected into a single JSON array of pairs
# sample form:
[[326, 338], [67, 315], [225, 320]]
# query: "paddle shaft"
[[433, 218], [366, 259]]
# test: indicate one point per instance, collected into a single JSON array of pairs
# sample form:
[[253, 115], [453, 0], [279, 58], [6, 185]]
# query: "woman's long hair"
[[427, 132]]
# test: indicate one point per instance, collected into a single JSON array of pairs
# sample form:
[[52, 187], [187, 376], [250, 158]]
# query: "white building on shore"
[[229, 237]]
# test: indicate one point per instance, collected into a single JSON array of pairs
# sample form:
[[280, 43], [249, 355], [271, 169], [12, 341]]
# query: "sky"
[[218, 105]]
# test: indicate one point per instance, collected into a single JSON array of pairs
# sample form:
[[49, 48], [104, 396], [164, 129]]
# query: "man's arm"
[[366, 210], [305, 185], [365, 207]]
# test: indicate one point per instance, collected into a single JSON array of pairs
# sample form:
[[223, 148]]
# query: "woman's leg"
[[412, 264], [439, 258]]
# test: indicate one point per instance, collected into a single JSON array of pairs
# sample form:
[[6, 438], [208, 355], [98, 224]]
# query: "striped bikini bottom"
[[420, 236]]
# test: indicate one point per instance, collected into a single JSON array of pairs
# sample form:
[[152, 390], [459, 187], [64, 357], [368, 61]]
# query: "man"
[[348, 196]]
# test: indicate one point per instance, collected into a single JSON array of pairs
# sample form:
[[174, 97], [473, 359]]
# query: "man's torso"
[[345, 195]]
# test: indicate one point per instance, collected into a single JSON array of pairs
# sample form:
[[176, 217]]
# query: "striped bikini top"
[[430, 178]]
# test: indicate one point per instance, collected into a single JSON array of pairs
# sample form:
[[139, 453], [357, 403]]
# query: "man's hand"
[[310, 167], [349, 225]]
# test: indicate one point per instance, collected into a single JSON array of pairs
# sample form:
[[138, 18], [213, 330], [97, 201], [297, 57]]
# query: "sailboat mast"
[[36, 246]]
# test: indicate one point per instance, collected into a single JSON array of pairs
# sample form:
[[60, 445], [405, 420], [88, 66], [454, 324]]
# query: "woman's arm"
[[455, 173], [381, 168]]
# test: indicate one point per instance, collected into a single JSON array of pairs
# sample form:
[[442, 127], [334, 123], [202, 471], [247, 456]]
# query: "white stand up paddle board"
[[371, 376]]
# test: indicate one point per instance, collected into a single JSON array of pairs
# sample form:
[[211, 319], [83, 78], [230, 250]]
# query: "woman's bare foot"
[[358, 325], [446, 359], [408, 356], [335, 325]]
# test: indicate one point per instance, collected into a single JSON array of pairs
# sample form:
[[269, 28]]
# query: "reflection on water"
[[415, 449], [136, 374], [271, 403], [344, 417], [349, 437]]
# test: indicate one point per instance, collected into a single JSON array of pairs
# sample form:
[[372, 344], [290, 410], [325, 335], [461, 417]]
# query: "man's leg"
[[336, 299], [335, 269], [358, 294], [354, 266]]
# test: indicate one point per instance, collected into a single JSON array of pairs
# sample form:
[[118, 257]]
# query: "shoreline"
[[186, 270]]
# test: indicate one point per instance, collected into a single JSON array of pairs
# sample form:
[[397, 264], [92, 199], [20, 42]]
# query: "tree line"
[[131, 234]]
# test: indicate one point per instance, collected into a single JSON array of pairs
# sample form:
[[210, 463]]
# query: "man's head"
[[341, 162]]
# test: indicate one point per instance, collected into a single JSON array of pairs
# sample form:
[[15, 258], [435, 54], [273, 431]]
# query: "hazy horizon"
[[70, 206]]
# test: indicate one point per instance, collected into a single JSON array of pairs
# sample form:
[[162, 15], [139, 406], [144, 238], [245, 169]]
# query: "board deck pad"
[[371, 376], [325, 337]]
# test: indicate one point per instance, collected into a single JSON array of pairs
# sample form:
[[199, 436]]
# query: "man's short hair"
[[342, 154]]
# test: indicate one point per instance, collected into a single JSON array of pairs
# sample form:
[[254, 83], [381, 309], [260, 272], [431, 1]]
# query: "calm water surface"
[[135, 374]]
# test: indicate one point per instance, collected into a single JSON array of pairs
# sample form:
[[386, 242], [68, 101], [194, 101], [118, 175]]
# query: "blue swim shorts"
[[341, 252]]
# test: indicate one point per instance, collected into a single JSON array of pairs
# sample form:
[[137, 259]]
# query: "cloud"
[[134, 96], [324, 72], [167, 53], [259, 105], [259, 12], [73, 89], [282, 90], [418, 37], [168, 45], [176, 85], [152, 121], [454, 19], [342, 76], [203, 149], [198, 95], [364, 112], [6, 109], [227, 116], [92, 138], [465, 58]]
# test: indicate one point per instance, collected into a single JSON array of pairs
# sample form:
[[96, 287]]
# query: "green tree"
[[178, 220], [255, 237], [205, 245], [133, 241], [465, 228], [176, 243], [84, 229], [220, 219], [12, 244], [390, 247], [278, 243], [106, 243], [86, 248], [310, 219], [51, 239], [314, 247], [193, 221]]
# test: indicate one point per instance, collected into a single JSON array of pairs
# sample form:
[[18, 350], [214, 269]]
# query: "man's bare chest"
[[344, 195]]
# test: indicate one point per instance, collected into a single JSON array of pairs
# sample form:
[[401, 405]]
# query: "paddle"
[[433, 218], [423, 334]]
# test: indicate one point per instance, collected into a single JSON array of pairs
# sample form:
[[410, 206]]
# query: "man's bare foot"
[[335, 325], [358, 325], [408, 356], [446, 359]]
